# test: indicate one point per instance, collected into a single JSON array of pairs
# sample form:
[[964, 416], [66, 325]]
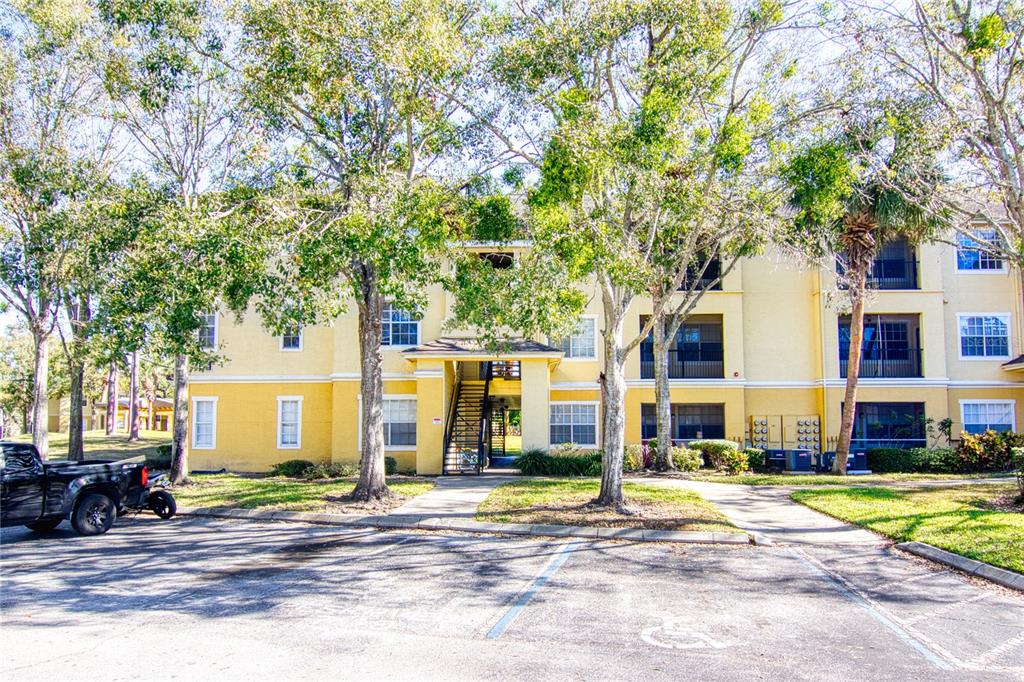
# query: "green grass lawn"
[[829, 479], [254, 492], [962, 519], [565, 502], [98, 445]]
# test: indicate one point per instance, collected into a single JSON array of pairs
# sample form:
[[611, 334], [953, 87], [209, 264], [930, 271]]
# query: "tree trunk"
[[40, 391], [613, 418], [133, 400], [372, 484], [80, 315], [858, 288], [152, 419], [662, 398], [179, 436], [111, 425]]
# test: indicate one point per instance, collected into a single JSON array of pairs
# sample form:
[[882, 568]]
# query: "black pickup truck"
[[90, 493]]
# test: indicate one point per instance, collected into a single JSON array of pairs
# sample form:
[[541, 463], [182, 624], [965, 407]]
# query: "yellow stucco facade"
[[772, 333]]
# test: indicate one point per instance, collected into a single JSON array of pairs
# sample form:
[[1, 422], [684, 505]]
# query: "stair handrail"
[[483, 419], [450, 425]]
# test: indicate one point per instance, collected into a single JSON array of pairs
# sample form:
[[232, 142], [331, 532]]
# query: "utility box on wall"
[[786, 432]]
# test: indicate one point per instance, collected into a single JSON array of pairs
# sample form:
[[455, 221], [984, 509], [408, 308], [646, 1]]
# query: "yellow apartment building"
[[761, 361]]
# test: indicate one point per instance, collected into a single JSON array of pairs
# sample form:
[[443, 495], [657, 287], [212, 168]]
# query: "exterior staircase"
[[467, 420]]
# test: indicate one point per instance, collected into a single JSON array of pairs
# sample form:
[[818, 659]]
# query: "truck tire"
[[162, 504], [94, 514], [44, 525]]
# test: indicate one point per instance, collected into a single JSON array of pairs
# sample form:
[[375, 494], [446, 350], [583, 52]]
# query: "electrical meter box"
[[786, 432]]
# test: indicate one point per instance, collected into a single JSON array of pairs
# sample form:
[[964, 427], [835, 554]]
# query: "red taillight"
[[145, 476]]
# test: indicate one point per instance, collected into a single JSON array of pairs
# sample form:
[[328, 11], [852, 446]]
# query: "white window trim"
[[984, 358], [192, 424], [216, 329], [404, 346], [280, 344], [298, 427], [387, 448], [994, 401], [597, 420], [584, 358], [956, 264]]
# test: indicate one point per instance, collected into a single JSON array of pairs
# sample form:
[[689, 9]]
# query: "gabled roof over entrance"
[[451, 346], [1015, 365]]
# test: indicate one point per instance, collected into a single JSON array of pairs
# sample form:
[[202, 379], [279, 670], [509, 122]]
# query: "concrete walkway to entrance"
[[453, 497], [769, 513]]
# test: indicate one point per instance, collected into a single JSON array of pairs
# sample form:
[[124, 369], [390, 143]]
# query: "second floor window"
[[890, 347], [695, 353], [398, 327], [208, 330], [292, 340], [580, 345], [971, 256], [984, 336]]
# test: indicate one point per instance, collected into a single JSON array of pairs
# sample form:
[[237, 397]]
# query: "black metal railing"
[[704, 364], [882, 363], [889, 273]]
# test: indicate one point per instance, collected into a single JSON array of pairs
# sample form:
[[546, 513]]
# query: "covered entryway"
[[495, 403]]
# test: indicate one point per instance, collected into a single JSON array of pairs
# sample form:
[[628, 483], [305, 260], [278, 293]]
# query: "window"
[[292, 340], [399, 423], [979, 416], [398, 327], [702, 273], [574, 423], [971, 256], [885, 425], [984, 336], [499, 260], [204, 423], [289, 422], [208, 330], [696, 352], [688, 421], [581, 345]]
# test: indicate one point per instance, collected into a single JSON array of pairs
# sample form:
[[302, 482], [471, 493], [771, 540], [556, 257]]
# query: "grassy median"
[[978, 521], [264, 492], [566, 502], [830, 479]]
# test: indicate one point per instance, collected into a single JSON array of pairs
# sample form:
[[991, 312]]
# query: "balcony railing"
[[889, 273], [885, 363], [505, 369], [707, 364]]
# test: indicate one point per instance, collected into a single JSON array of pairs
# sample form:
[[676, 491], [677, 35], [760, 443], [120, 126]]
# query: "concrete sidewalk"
[[453, 497], [769, 513]]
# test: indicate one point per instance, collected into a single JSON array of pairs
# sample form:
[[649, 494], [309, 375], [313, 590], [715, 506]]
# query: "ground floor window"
[[689, 421], [888, 425], [399, 422], [979, 416], [204, 423], [574, 423], [289, 422]]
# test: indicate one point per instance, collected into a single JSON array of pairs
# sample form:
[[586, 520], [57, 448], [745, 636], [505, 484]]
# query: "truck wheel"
[[162, 504], [44, 526], [94, 514]]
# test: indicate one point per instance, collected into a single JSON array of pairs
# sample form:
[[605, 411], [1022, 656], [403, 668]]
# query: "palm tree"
[[874, 181]]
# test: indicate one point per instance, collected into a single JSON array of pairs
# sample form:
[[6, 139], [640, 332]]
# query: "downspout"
[[821, 364]]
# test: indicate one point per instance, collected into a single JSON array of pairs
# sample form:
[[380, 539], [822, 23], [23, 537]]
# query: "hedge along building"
[[761, 360]]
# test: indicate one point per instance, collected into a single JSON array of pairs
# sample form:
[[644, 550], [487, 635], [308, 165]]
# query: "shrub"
[[633, 457], [916, 460], [536, 462], [988, 451], [292, 468], [885, 460], [734, 462], [330, 471], [755, 459], [569, 450], [1017, 458], [161, 459], [390, 466], [686, 459], [714, 451]]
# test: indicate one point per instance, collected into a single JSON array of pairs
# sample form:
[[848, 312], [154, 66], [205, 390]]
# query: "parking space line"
[[945, 608], [933, 653], [524, 598]]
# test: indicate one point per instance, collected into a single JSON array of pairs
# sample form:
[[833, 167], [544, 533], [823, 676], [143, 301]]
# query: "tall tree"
[[110, 427], [49, 149], [628, 157], [965, 56], [874, 178], [133, 398], [365, 125]]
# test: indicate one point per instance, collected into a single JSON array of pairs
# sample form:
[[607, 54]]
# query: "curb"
[[1000, 576], [401, 521]]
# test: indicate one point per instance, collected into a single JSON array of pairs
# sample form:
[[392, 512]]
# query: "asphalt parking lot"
[[194, 599]]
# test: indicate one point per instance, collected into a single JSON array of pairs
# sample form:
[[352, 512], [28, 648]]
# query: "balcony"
[[894, 268], [695, 353], [885, 363], [703, 281]]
